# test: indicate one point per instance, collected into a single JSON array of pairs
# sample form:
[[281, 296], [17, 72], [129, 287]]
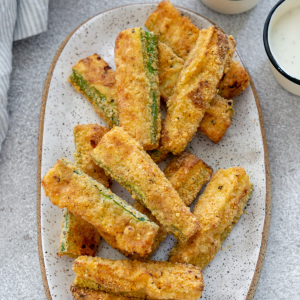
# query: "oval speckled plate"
[[234, 272]]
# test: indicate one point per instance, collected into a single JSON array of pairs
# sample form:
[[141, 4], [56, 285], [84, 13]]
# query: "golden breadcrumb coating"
[[137, 83], [234, 82], [151, 280], [86, 138], [187, 174], [170, 65], [217, 119], [218, 210], [169, 68], [77, 237], [162, 232], [158, 155], [95, 79], [195, 88], [123, 158], [131, 231], [173, 29], [87, 293]]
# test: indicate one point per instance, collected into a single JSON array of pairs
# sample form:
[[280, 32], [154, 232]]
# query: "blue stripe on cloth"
[[8, 14], [32, 18], [18, 19]]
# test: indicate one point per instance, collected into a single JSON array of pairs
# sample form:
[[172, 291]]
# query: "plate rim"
[[268, 200]]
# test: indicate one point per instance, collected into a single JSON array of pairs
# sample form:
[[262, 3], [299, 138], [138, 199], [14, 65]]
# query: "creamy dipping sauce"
[[284, 42]]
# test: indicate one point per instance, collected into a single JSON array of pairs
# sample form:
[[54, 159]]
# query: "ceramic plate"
[[234, 272]]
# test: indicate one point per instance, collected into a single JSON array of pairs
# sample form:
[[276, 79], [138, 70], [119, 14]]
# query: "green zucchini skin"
[[150, 58], [108, 110], [78, 237], [95, 79], [136, 58], [122, 226]]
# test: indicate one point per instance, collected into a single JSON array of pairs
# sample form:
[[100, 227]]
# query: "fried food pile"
[[192, 71]]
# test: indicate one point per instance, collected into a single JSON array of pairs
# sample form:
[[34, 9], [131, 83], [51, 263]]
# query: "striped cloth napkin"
[[18, 19]]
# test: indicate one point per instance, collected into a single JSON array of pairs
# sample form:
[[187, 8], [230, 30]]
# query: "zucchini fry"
[[123, 158], [159, 155], [86, 138], [187, 174], [77, 237], [235, 81], [151, 280], [169, 68], [173, 29], [196, 86], [95, 79], [218, 210], [217, 119], [170, 65], [162, 232], [89, 290], [131, 231], [136, 56]]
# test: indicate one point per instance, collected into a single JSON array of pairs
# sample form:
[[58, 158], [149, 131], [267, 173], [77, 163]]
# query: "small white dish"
[[287, 81], [230, 7]]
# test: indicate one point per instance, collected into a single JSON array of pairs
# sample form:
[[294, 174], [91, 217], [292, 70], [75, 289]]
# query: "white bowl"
[[287, 81], [230, 6]]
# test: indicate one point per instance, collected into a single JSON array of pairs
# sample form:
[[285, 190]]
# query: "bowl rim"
[[267, 46]]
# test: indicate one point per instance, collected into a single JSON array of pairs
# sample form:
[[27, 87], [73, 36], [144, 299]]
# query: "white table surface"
[[20, 276]]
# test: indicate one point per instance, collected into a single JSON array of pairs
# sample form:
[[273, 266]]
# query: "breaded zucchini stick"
[[173, 29], [187, 174], [151, 280], [89, 290], [169, 68], [123, 158], [218, 210], [131, 231], [95, 79], [86, 138], [217, 118], [77, 237], [170, 65], [235, 81], [136, 56], [196, 87], [162, 232], [159, 155]]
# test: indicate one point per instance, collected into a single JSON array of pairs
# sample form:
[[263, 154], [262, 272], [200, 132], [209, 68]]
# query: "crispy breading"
[[123, 158], [187, 174], [95, 79], [173, 29], [154, 279], [170, 65], [136, 56], [217, 118], [162, 232], [218, 210], [77, 237], [86, 138], [131, 231], [82, 289], [87, 294], [234, 82], [169, 68], [159, 155], [195, 88]]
